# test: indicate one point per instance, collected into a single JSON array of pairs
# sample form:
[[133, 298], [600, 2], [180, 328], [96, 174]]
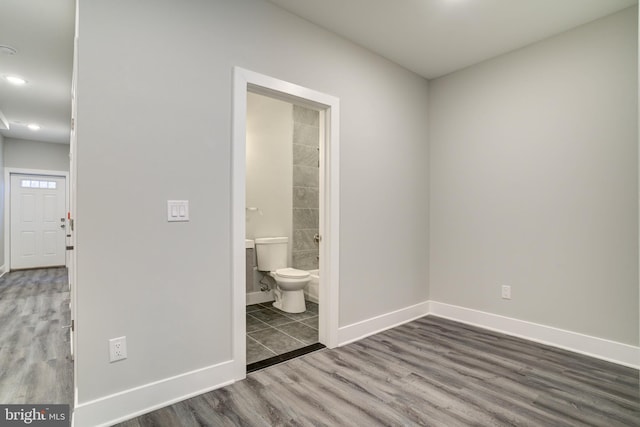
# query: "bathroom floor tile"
[[312, 322], [254, 324], [256, 351], [265, 304], [271, 317], [254, 307], [272, 332], [301, 332], [299, 316], [276, 341]]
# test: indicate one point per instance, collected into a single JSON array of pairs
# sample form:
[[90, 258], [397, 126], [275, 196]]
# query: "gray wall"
[[26, 154], [534, 182], [154, 105]]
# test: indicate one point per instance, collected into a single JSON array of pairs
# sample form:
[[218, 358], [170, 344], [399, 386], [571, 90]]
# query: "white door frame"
[[243, 81], [7, 204]]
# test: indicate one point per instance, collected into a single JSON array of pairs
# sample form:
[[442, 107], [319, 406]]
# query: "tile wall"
[[306, 137]]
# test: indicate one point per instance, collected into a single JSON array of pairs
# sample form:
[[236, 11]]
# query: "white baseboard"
[[259, 297], [134, 402], [3, 271], [612, 351], [359, 330]]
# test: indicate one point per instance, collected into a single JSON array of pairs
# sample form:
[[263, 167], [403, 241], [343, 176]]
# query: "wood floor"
[[35, 360], [430, 372]]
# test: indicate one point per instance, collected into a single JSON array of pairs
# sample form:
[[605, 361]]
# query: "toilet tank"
[[271, 253]]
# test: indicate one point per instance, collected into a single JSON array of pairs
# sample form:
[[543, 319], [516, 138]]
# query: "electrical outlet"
[[506, 292], [117, 349]]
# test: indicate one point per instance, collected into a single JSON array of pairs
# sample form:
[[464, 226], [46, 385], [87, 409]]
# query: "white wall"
[[154, 123], [22, 153], [269, 173], [534, 182]]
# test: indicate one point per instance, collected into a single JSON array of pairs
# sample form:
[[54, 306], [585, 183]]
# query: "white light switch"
[[177, 210]]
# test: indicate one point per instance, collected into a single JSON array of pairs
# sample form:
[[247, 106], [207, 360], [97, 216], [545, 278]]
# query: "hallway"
[[35, 358]]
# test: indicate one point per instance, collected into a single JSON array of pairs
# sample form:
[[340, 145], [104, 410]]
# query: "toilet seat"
[[292, 273]]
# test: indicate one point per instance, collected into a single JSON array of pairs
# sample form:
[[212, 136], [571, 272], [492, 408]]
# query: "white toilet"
[[271, 253]]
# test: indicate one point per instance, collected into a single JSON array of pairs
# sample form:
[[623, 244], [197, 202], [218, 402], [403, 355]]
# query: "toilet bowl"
[[290, 289], [271, 253]]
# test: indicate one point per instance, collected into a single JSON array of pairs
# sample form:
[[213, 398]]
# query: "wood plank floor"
[[35, 359], [432, 372]]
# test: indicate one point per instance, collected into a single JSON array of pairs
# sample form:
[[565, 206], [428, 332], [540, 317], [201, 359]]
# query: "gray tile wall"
[[306, 143]]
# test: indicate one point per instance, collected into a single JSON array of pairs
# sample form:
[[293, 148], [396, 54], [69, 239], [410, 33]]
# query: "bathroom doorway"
[[282, 202], [304, 209]]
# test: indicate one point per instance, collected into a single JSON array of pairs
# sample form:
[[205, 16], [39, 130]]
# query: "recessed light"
[[7, 50], [33, 126], [15, 80]]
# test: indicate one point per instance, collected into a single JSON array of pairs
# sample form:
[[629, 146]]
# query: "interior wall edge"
[[359, 330]]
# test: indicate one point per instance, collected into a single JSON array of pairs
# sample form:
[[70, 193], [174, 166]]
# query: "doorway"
[[328, 108], [35, 206], [35, 228], [37, 221], [282, 203]]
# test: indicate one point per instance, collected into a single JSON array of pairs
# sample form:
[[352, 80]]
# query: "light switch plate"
[[177, 210]]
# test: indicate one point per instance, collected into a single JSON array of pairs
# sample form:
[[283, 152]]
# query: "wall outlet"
[[117, 349], [506, 292]]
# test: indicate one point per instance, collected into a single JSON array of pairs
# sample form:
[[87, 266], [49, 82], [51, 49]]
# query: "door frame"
[[329, 107], [7, 205]]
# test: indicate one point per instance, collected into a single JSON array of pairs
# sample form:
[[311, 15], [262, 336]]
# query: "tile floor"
[[271, 332]]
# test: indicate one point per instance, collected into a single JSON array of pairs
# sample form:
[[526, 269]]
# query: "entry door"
[[38, 206]]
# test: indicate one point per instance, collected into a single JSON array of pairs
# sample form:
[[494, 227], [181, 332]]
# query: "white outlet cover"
[[506, 292], [117, 349]]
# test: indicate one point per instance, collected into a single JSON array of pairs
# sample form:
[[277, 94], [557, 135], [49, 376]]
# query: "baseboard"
[[612, 351], [2, 270], [359, 330], [134, 402], [259, 297]]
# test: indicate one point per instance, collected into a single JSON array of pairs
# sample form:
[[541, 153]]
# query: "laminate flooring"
[[272, 332], [432, 372], [35, 358]]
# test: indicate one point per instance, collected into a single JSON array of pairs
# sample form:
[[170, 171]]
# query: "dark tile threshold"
[[261, 364]]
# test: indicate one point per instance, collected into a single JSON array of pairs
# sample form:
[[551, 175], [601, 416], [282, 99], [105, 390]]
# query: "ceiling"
[[42, 32], [430, 37], [436, 37]]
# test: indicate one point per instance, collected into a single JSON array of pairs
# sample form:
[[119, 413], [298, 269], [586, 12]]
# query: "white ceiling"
[[435, 37], [429, 37], [42, 32]]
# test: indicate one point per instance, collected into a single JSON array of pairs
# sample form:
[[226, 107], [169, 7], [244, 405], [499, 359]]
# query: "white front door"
[[38, 207]]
